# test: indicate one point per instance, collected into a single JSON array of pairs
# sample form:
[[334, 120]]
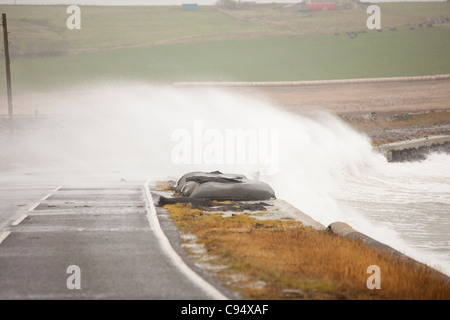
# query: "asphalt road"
[[93, 242]]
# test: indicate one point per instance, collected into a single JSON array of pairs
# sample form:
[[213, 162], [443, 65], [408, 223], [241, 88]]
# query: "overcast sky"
[[154, 2]]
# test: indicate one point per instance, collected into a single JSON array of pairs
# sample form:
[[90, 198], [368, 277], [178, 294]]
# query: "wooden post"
[[8, 69]]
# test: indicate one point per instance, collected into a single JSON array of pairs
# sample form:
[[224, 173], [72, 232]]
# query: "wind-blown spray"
[[314, 161]]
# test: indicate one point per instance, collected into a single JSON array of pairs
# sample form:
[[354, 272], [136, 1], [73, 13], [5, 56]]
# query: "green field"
[[261, 43]]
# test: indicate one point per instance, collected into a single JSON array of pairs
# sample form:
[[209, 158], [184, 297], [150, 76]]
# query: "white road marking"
[[170, 252], [15, 223], [4, 235], [35, 205]]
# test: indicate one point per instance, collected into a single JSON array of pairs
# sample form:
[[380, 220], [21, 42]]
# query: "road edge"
[[177, 261]]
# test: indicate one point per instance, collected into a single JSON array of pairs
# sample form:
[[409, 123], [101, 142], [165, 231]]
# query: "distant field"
[[402, 52], [38, 29], [165, 44]]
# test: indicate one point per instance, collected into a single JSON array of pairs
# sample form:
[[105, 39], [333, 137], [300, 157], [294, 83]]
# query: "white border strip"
[[4, 235], [35, 205], [170, 252], [15, 223]]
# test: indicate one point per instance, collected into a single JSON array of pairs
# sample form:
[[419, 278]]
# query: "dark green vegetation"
[[255, 43]]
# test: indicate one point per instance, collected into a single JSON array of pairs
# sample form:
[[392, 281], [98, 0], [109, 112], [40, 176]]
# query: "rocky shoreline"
[[401, 126]]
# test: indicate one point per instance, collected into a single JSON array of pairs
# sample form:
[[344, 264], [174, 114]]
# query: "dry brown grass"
[[297, 262]]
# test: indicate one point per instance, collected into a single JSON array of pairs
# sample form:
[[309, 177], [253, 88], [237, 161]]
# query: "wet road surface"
[[106, 233]]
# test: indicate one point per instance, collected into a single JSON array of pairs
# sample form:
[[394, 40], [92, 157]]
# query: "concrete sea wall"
[[413, 150]]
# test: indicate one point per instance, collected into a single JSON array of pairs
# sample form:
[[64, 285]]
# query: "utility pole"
[[8, 70]]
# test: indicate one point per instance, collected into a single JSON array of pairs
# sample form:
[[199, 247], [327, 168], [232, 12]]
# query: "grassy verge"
[[276, 259]]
